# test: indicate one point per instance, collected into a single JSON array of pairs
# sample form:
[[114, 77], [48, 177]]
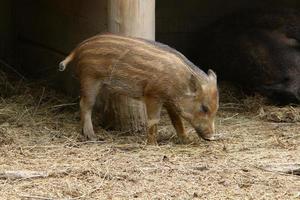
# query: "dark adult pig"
[[149, 71], [257, 49]]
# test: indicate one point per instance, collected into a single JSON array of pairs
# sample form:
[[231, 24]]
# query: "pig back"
[[133, 67]]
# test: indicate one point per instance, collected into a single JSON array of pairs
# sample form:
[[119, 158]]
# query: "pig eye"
[[204, 109]]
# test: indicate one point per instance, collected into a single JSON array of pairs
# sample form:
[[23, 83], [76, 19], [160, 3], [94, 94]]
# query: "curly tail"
[[63, 64]]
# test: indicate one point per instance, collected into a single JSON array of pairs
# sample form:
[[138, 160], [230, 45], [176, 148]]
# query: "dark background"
[[37, 34]]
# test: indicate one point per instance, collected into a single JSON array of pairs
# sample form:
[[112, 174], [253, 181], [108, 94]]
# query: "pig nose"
[[205, 134], [211, 138]]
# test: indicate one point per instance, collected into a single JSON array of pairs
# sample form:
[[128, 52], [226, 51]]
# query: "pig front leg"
[[178, 124], [88, 94], [153, 107]]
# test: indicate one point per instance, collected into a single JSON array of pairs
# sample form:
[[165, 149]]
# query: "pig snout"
[[206, 133]]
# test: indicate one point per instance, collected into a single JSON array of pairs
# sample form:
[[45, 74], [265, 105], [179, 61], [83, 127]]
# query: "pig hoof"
[[152, 143], [90, 137], [186, 140]]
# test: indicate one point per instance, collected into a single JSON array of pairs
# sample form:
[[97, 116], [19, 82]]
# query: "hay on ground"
[[39, 131]]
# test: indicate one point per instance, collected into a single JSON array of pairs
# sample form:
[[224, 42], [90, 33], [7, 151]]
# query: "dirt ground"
[[39, 131]]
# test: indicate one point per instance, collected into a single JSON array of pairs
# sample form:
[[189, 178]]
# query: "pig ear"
[[212, 75], [194, 84]]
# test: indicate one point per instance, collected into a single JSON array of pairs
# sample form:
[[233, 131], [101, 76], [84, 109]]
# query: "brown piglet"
[[151, 72]]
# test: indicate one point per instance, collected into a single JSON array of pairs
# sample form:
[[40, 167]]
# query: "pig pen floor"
[[39, 131]]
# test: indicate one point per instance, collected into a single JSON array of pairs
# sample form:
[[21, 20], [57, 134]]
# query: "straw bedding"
[[39, 131]]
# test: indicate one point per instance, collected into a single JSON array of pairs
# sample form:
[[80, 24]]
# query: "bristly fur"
[[149, 71], [199, 74]]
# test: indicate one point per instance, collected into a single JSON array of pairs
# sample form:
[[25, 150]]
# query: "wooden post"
[[134, 18]]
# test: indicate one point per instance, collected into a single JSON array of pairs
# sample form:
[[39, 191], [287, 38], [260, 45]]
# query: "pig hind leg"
[[88, 94], [153, 107]]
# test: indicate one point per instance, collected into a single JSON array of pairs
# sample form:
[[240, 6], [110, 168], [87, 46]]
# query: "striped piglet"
[[150, 71]]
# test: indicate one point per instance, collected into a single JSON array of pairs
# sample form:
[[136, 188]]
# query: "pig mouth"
[[204, 134]]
